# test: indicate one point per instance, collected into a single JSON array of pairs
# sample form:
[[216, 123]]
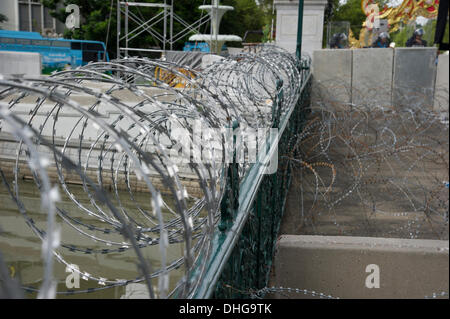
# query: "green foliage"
[[266, 7], [446, 34], [330, 10], [401, 36], [351, 12], [266, 33], [430, 30], [94, 20], [269, 15], [247, 15]]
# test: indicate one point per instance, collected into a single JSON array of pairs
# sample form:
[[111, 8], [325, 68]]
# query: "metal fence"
[[251, 213]]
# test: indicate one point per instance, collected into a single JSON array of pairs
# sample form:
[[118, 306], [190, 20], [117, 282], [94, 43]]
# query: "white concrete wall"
[[287, 22], [27, 63], [337, 266]]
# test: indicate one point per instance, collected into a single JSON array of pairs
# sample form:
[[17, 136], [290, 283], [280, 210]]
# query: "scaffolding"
[[167, 16]]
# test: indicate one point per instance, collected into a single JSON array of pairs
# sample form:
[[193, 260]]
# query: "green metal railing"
[[251, 211]]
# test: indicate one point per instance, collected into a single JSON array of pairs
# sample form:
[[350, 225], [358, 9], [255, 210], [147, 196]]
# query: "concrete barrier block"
[[233, 51], [414, 76], [372, 76], [209, 59], [338, 266], [332, 71], [26, 63], [441, 97]]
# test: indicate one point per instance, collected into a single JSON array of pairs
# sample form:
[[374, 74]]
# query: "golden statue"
[[408, 10]]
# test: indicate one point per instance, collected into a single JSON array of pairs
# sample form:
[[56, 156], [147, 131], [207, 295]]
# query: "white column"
[[15, 19], [11, 10], [287, 19]]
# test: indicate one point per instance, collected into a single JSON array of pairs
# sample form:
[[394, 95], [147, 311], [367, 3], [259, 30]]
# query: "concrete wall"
[[414, 69], [333, 69], [380, 76], [372, 75], [336, 266], [233, 51], [441, 95], [287, 22], [27, 63]]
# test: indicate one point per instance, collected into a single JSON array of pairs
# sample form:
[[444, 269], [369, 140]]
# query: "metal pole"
[[299, 29], [271, 28], [42, 19], [30, 22], [126, 29], [171, 25], [118, 34], [211, 30], [216, 22], [118, 29], [165, 26]]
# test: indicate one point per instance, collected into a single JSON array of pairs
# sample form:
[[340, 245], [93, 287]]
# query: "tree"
[[266, 7], [94, 20], [351, 12], [246, 16], [330, 9], [269, 16], [402, 34]]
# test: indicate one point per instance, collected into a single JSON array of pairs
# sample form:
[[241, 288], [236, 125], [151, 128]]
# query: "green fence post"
[[230, 200], [299, 29]]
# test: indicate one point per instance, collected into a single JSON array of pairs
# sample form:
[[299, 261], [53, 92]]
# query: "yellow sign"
[[173, 79]]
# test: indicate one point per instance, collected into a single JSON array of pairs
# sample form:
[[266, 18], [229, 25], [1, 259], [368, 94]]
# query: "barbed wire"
[[374, 167], [289, 292], [107, 127], [261, 293]]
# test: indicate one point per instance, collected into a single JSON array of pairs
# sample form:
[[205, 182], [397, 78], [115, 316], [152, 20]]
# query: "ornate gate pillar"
[[287, 19]]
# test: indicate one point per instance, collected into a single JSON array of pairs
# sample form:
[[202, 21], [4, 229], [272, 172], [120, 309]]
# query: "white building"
[[29, 15]]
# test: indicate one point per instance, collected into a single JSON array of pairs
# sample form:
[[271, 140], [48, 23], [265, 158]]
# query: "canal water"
[[21, 248]]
